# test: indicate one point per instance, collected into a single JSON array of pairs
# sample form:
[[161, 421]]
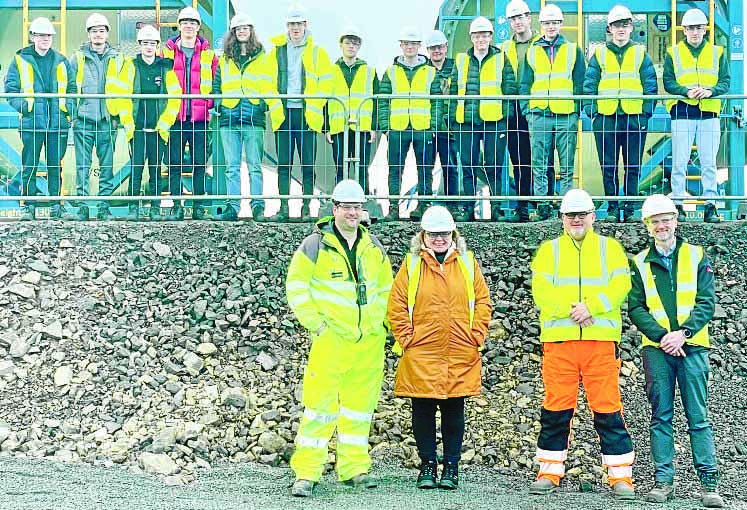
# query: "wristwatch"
[[686, 333]]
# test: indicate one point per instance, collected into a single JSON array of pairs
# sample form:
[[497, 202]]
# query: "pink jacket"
[[199, 107]]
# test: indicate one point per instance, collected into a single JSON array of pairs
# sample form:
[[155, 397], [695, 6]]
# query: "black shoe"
[[496, 213], [282, 214], [258, 213], [306, 212], [629, 216], [200, 213], [393, 214], [681, 216], [428, 475], [523, 214], [465, 214], [450, 476], [543, 212], [82, 214], [176, 213], [27, 213], [613, 214], [154, 214], [710, 214], [103, 214], [229, 214], [417, 213], [133, 213], [56, 212]]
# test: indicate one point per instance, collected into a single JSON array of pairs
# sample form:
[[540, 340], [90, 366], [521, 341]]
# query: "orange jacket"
[[440, 358]]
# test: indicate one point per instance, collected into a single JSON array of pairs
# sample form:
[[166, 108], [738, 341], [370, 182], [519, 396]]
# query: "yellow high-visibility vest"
[[113, 83], [688, 260], [255, 80], [353, 98], [26, 72], [491, 74], [416, 111], [552, 79], [618, 81], [692, 72]]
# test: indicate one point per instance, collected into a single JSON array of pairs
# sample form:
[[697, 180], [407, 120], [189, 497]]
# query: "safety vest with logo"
[[353, 99], [255, 80], [700, 72], [620, 80], [596, 273], [552, 79], [491, 74], [114, 84], [688, 260], [415, 111], [168, 106], [26, 72], [317, 78]]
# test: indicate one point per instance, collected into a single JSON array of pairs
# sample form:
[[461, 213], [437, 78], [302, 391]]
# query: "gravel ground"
[[37, 485]]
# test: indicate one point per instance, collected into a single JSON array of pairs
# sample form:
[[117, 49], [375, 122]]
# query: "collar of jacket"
[[531, 40], [591, 237], [557, 42], [417, 247], [28, 51], [695, 50], [492, 50], [358, 62], [446, 69], [653, 254], [201, 44], [422, 61], [325, 227], [619, 50], [86, 49], [282, 39]]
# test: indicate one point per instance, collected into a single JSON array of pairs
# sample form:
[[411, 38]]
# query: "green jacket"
[[443, 76], [705, 301], [322, 289]]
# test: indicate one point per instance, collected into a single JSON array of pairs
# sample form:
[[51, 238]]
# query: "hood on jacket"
[[282, 39], [200, 45], [400, 61], [416, 246], [86, 48], [325, 226]]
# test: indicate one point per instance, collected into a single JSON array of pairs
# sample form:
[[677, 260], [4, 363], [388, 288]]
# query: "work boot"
[[428, 474], [708, 490], [282, 214], [661, 493], [542, 486], [305, 212], [613, 214], [523, 214], [681, 216], [361, 480], [229, 214], [82, 214], [133, 213], [55, 212], [465, 214], [496, 213], [303, 488], [258, 213], [623, 491], [417, 213], [449, 476], [154, 213], [543, 212], [710, 214], [176, 213], [27, 213], [103, 214], [629, 216], [393, 214], [199, 213]]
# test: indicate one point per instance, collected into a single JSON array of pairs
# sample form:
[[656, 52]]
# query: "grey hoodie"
[[295, 69], [94, 80]]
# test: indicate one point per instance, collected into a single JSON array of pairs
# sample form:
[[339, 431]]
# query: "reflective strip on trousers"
[[352, 439], [311, 442], [355, 415], [312, 415]]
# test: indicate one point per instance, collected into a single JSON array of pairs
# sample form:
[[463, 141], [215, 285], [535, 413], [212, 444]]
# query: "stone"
[[162, 250], [66, 243], [4, 270], [63, 375], [6, 368], [158, 464], [165, 440], [193, 363], [265, 361], [4, 431], [233, 397], [19, 348], [23, 290], [53, 330], [272, 442], [32, 277], [107, 277], [206, 349]]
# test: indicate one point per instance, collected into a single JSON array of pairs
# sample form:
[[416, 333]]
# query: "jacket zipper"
[[578, 248], [355, 279]]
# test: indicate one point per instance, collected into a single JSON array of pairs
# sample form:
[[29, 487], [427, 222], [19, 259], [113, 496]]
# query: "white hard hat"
[[657, 204], [618, 13], [296, 14], [350, 31], [410, 34], [348, 191], [480, 24], [694, 17], [148, 33], [551, 12], [241, 20], [437, 218], [42, 26], [435, 38], [516, 8], [576, 200], [97, 20], [189, 13]]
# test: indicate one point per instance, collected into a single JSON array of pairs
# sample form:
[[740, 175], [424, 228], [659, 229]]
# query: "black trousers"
[[520, 152], [195, 134], [452, 427], [399, 146], [615, 134], [364, 160], [146, 147], [446, 148], [55, 146], [490, 170], [294, 134]]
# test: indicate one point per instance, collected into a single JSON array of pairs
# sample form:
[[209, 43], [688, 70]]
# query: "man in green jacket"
[[672, 299], [338, 287]]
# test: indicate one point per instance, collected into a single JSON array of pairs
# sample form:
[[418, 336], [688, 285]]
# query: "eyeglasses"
[[42, 36], [352, 42], [577, 215], [350, 207], [438, 47], [409, 43], [622, 24], [438, 235], [243, 28], [149, 43], [553, 23], [694, 28], [520, 17], [481, 35], [661, 221]]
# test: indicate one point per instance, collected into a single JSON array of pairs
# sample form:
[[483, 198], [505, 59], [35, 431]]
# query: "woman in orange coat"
[[439, 309]]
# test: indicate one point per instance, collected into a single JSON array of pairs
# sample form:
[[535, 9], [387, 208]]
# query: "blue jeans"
[[691, 374], [252, 139], [101, 135]]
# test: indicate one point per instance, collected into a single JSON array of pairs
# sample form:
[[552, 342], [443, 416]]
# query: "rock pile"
[[168, 347]]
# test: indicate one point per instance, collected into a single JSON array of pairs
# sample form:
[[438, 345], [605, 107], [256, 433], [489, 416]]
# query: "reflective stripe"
[[206, 71], [552, 468], [556, 323], [692, 72], [352, 439], [490, 85], [355, 415], [551, 455], [552, 79], [414, 112], [615, 472], [311, 442], [312, 415], [625, 459], [605, 301], [619, 80]]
